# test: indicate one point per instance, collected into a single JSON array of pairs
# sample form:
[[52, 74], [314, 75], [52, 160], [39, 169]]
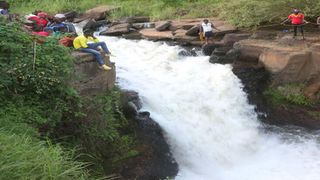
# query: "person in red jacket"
[[297, 20], [40, 21]]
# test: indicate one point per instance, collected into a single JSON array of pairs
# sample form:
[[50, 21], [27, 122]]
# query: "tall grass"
[[22, 157]]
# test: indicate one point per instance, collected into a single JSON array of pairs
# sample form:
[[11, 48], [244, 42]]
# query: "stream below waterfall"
[[212, 130]]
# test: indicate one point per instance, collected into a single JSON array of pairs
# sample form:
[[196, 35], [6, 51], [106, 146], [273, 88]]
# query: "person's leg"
[[295, 28], [95, 53], [102, 44], [302, 33]]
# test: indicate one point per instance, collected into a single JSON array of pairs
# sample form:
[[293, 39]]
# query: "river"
[[213, 132]]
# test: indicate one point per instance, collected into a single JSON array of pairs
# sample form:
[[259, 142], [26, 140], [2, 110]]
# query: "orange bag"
[[201, 36], [67, 41]]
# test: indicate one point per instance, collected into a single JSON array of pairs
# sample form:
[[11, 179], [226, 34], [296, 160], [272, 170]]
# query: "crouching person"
[[87, 43]]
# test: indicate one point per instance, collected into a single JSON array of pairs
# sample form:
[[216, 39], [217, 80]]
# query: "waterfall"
[[212, 131]]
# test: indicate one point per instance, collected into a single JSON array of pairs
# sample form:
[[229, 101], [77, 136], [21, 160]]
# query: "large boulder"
[[286, 66], [88, 79], [250, 50], [291, 64], [163, 26], [117, 30], [97, 13], [193, 31], [207, 49], [180, 36]]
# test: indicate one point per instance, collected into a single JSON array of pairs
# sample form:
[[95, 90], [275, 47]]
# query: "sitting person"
[[40, 21], [87, 43]]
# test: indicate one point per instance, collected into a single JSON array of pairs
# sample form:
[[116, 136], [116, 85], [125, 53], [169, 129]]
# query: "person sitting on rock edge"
[[87, 43], [297, 20], [207, 29]]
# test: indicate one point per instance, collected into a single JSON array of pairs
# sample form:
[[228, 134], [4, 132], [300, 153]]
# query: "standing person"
[[297, 20], [87, 43], [207, 29], [4, 8]]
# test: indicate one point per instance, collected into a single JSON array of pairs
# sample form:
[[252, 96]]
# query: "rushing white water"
[[212, 130]]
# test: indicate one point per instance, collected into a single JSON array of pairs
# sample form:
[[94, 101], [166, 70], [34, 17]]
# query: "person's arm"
[[304, 21], [83, 42], [201, 29], [215, 27]]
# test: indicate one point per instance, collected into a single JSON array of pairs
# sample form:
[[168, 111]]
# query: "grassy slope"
[[239, 12]]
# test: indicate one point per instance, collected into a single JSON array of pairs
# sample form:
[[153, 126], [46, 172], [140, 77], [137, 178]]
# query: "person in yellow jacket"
[[87, 43]]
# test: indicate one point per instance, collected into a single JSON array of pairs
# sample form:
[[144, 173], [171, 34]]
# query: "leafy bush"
[[290, 93], [33, 87]]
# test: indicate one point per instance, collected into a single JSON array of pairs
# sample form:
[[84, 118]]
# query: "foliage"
[[248, 13], [22, 157], [290, 93], [243, 13], [105, 133], [33, 98]]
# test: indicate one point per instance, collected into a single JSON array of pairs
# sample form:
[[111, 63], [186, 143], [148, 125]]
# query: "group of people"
[[296, 18], [39, 23]]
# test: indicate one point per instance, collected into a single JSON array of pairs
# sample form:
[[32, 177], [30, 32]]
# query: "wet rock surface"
[[155, 160]]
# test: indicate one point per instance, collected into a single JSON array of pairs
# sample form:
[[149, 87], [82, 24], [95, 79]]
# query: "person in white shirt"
[[207, 29]]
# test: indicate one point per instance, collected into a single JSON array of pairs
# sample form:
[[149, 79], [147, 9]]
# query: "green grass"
[[287, 94], [22, 157], [242, 13]]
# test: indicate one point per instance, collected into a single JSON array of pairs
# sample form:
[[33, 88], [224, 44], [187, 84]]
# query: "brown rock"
[[153, 34], [230, 39], [312, 90], [180, 35], [250, 50], [97, 13]]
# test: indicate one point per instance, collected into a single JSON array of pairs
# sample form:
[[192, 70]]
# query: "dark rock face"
[[155, 161], [207, 49], [117, 30], [194, 31]]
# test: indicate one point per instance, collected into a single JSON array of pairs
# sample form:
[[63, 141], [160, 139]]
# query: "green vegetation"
[[22, 157], [243, 13], [287, 94], [47, 130]]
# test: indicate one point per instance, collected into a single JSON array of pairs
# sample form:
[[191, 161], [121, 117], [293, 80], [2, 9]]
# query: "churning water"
[[213, 132]]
